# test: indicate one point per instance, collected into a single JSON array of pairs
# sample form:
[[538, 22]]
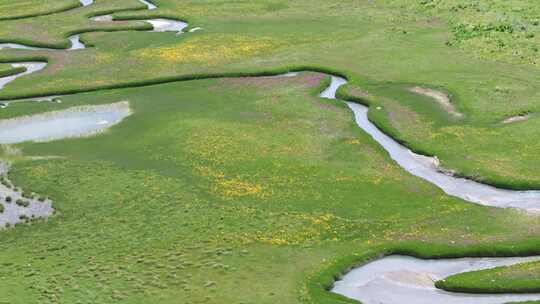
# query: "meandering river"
[[403, 279], [428, 169], [393, 279]]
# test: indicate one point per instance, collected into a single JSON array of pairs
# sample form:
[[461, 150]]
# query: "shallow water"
[[403, 279], [86, 2], [31, 67], [425, 167], [102, 18], [158, 24], [150, 6], [410, 280], [18, 46], [13, 212], [428, 169], [76, 43], [335, 84], [167, 25], [74, 122]]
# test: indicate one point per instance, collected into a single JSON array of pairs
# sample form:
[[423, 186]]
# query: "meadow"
[[10, 10], [254, 190]]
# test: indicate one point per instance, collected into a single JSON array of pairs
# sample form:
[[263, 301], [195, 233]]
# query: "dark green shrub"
[[4, 181], [22, 203]]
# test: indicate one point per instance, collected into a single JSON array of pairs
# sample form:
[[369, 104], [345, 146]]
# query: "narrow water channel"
[[394, 279], [428, 169], [402, 279]]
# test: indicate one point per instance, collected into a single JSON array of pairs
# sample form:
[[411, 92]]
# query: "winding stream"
[[74, 122], [158, 24], [149, 5], [403, 279], [31, 67], [409, 280], [75, 41], [19, 46], [428, 168]]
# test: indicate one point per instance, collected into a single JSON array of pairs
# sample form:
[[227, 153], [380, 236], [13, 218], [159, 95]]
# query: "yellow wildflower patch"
[[237, 187], [230, 187], [210, 49]]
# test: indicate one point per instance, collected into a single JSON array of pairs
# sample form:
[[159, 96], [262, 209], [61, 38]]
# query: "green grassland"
[[348, 35], [503, 30], [254, 190], [53, 30], [31, 8], [195, 196], [521, 278]]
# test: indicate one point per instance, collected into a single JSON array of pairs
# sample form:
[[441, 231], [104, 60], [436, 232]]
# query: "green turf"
[[504, 30], [520, 278], [170, 205], [30, 8], [53, 30], [277, 34], [254, 190]]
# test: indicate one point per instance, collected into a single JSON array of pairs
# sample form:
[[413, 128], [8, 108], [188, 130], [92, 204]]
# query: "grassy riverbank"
[[31, 8], [382, 47], [170, 205], [53, 30], [8, 70], [520, 278], [253, 190]]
